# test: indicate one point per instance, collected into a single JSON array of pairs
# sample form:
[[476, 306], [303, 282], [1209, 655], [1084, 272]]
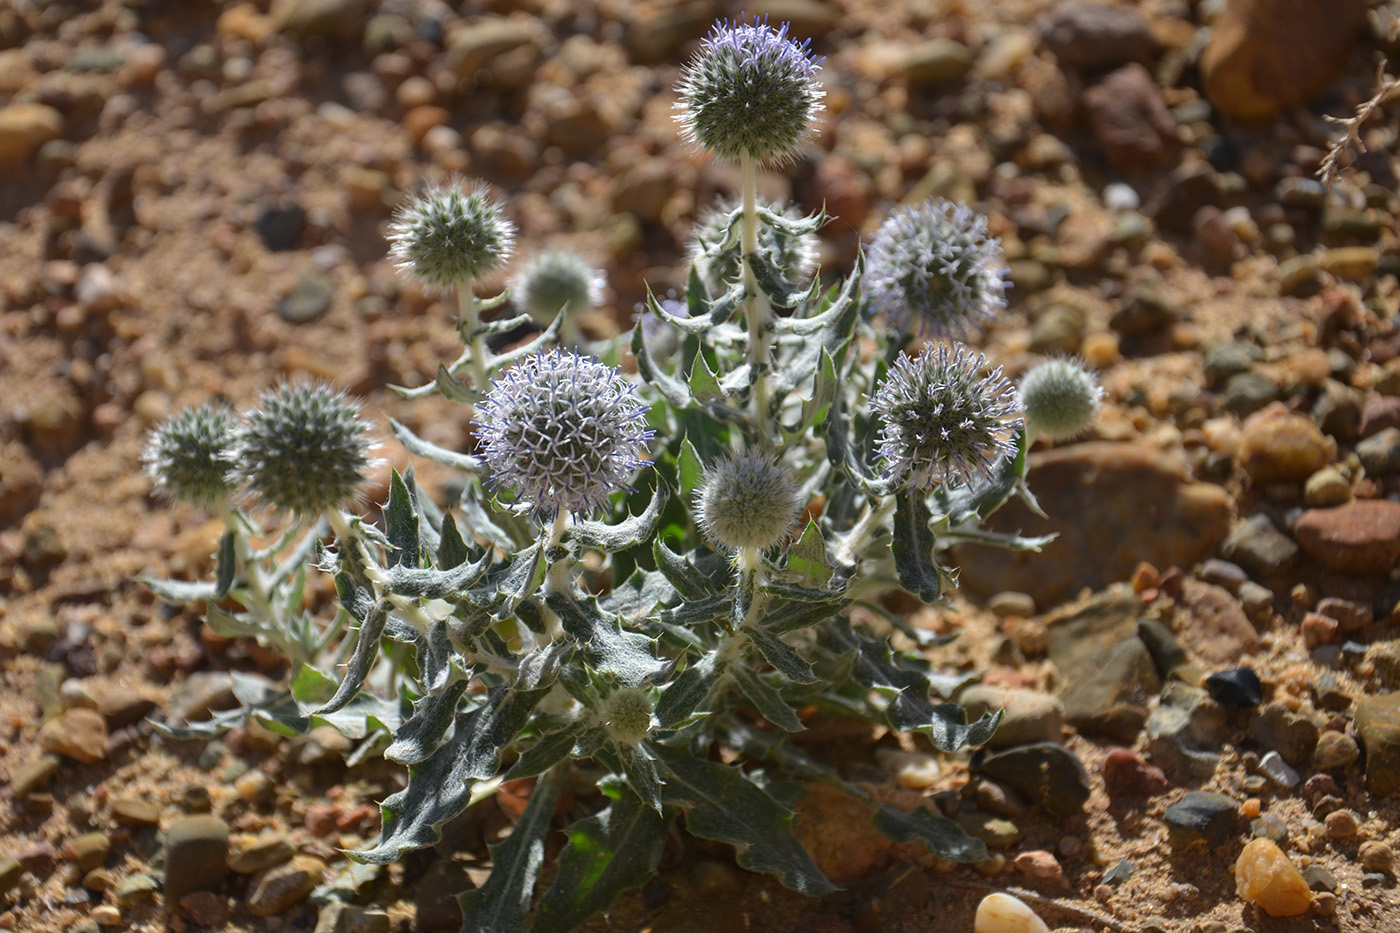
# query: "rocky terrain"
[[193, 198]]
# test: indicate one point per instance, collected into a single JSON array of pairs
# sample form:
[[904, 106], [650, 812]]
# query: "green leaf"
[[439, 788], [424, 731], [228, 625], [401, 524], [910, 708], [781, 655], [520, 577], [681, 573], [628, 656], [806, 558], [640, 771], [452, 550], [502, 904], [426, 583], [766, 698], [704, 384], [627, 533], [824, 389], [225, 567], [607, 853], [689, 467], [365, 654], [943, 837], [674, 391], [179, 591], [683, 696], [790, 616], [454, 390], [912, 547], [774, 284], [434, 658], [725, 805], [829, 316], [551, 749], [419, 447]]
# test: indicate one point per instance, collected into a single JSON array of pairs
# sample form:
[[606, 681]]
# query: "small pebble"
[[1376, 856], [1341, 824], [1265, 876], [1002, 913], [1238, 687], [1278, 770]]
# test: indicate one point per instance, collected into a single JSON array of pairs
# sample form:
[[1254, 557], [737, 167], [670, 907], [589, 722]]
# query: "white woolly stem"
[[471, 321], [556, 577], [253, 578], [756, 310]]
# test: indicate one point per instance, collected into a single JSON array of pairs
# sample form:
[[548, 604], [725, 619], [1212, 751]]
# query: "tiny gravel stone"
[[1380, 453], [1201, 817], [1047, 773], [1320, 879], [1335, 751], [1277, 770], [89, 850], [107, 915], [309, 298], [135, 812], [1341, 824], [1378, 724], [1292, 735], [1121, 871], [997, 832], [1376, 856], [10, 872], [1281, 447], [281, 888], [136, 889], [1238, 687], [196, 855], [1260, 548], [1257, 600], [1126, 774], [32, 775], [205, 908], [250, 855], [1326, 488], [79, 734], [1167, 653]]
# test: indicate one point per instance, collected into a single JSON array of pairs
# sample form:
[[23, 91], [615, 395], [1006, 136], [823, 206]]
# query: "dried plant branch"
[[1349, 143]]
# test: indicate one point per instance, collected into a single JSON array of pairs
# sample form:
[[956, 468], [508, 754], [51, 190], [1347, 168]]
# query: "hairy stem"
[[756, 310], [471, 322]]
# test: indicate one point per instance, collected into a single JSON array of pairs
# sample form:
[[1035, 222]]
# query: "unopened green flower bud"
[[188, 456], [557, 281], [304, 451], [627, 715], [448, 236], [748, 501], [1060, 398]]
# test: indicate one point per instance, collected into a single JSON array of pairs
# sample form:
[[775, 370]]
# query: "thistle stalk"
[[471, 326], [756, 310]]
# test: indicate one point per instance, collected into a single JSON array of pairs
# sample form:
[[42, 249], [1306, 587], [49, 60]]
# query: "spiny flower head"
[[944, 415], [449, 235], [304, 450], [747, 501], [627, 715], [188, 456], [715, 249], [564, 431], [932, 269], [750, 91], [557, 281], [1060, 398]]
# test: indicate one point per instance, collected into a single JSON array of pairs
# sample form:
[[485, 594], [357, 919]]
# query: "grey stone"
[[33, 775], [1201, 818], [10, 872], [1380, 453], [1224, 358], [1259, 547], [1181, 738], [937, 61], [1247, 392], [196, 855], [1058, 329], [1098, 35], [1028, 715], [136, 889], [1277, 770], [1045, 772], [279, 889], [1167, 653], [309, 298], [200, 694], [1378, 724], [1112, 701], [1291, 734], [1143, 313]]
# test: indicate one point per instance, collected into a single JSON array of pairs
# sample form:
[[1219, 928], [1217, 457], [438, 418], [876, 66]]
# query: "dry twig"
[[1350, 143]]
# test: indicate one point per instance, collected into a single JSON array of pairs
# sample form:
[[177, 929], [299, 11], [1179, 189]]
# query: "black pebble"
[[1238, 687]]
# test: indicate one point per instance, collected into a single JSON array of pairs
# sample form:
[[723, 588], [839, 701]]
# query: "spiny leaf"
[[226, 566], [365, 654], [416, 445], [502, 904], [913, 548], [943, 837], [424, 731], [627, 533], [766, 698], [401, 524], [781, 655]]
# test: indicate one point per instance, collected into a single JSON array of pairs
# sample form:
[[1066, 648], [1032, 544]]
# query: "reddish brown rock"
[[1360, 537], [1127, 775], [1098, 501], [1129, 120], [1219, 630], [1265, 55], [1381, 412]]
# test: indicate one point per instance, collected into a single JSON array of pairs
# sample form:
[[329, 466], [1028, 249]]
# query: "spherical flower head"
[[449, 235], [304, 451], [750, 91], [627, 715], [747, 501], [932, 270], [715, 250], [557, 281], [188, 456], [1060, 399], [944, 415], [564, 431]]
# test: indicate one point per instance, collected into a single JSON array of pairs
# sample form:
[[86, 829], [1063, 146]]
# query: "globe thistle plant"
[[932, 270], [714, 247], [304, 451], [944, 416], [627, 715], [450, 235], [1060, 399], [563, 431], [747, 501], [188, 456], [750, 92]]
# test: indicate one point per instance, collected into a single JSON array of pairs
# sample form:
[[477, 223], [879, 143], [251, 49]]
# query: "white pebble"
[[1120, 197], [1002, 913]]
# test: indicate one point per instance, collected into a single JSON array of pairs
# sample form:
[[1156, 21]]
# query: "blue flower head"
[[750, 91], [563, 431], [944, 416], [932, 270]]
